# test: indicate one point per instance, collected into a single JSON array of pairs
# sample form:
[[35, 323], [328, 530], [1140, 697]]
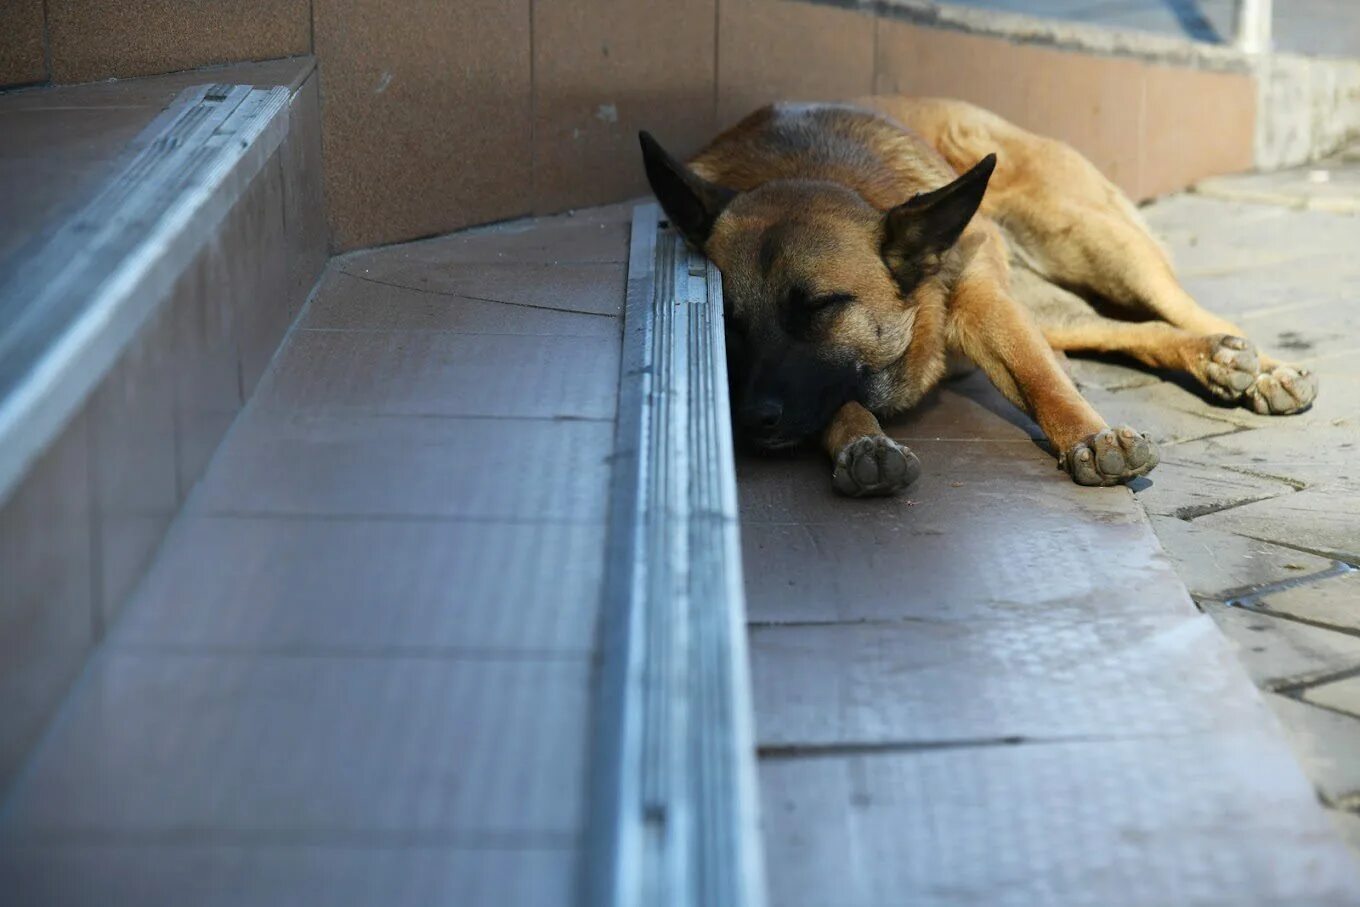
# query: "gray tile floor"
[[59, 144], [359, 669], [342, 683], [996, 690], [1316, 27]]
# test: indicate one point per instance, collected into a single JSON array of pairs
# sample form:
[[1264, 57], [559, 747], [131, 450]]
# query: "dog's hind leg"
[[1106, 252], [1225, 364], [866, 462], [1076, 228]]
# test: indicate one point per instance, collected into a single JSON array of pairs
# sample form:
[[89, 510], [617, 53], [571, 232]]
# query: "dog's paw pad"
[[874, 465], [1232, 365], [1283, 390], [1109, 457]]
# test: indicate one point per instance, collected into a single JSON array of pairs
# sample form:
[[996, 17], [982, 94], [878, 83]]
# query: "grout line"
[[1249, 596], [523, 305], [469, 839], [533, 112], [1284, 480], [1307, 622], [717, 60], [454, 332], [1192, 512], [1293, 688], [851, 748], [844, 622], [386, 652], [47, 43], [357, 412], [344, 517]]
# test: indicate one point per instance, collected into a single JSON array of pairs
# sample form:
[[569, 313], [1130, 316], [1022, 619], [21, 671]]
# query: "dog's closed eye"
[[832, 299]]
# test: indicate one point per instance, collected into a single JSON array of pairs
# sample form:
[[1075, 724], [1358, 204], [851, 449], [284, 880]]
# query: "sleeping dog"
[[858, 265]]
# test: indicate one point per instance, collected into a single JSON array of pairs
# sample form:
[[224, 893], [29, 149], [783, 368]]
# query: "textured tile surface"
[[772, 50], [231, 874], [371, 586], [23, 58], [453, 98], [338, 465], [434, 373], [47, 599], [1054, 823], [311, 746], [603, 69], [994, 689], [359, 669], [141, 37]]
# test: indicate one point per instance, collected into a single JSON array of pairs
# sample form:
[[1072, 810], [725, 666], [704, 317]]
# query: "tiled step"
[[164, 233], [673, 783]]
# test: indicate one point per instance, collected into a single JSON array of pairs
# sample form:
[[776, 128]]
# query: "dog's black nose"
[[763, 414]]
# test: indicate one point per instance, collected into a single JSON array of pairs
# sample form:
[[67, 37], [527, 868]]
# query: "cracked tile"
[[1188, 490], [1321, 519], [1325, 742], [1275, 650], [1341, 695], [1215, 564], [1334, 600]]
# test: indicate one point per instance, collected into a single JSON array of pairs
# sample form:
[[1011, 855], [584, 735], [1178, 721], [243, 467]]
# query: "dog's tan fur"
[[818, 200]]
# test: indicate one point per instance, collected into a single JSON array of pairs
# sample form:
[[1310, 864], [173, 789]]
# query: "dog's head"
[[820, 289]]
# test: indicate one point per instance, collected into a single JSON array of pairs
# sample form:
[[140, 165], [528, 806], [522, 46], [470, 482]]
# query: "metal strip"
[[69, 314], [674, 817]]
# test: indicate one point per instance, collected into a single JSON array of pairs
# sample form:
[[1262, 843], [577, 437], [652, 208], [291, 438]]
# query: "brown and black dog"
[[858, 264]]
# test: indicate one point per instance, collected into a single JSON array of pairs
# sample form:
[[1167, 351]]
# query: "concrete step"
[[163, 233]]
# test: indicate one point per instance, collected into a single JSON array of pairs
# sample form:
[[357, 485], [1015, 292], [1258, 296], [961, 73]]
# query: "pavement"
[[1003, 688], [1313, 27], [1262, 515], [999, 689], [359, 669]]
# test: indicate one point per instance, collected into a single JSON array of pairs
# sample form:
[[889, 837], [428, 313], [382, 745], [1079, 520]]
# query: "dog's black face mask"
[[787, 391], [820, 289]]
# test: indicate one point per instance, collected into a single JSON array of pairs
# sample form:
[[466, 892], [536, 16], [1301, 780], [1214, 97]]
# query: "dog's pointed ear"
[[931, 223], [691, 202]]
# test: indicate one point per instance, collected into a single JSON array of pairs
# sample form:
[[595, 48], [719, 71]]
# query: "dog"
[[867, 247]]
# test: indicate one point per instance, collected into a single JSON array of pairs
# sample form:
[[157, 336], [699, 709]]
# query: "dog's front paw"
[[1283, 390], [1109, 457], [874, 465], [1230, 366]]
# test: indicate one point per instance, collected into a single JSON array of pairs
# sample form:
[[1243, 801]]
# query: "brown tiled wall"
[[602, 71], [1151, 129], [426, 115], [415, 146], [23, 57], [117, 38], [438, 116]]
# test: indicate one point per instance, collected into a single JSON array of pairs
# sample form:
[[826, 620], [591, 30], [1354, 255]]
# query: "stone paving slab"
[[1329, 185], [1186, 490], [360, 669], [1261, 521], [1220, 565], [1338, 695], [1334, 601], [924, 667], [1186, 821], [1280, 653], [1325, 741], [1320, 519]]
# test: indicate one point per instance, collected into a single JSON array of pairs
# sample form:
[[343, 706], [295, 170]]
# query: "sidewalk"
[[1328, 28], [1262, 515]]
